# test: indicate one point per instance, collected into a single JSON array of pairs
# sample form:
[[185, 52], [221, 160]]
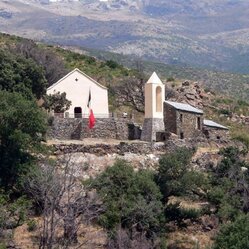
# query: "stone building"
[[183, 120], [214, 131], [77, 86], [154, 98]]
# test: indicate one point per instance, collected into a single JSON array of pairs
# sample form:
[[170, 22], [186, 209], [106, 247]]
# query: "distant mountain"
[[206, 33]]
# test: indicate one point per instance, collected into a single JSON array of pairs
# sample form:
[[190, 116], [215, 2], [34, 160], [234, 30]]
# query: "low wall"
[[73, 128], [140, 148]]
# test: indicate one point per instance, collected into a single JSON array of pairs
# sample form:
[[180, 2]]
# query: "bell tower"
[[154, 98]]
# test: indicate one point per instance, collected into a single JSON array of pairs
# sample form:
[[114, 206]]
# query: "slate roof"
[[184, 107], [213, 124]]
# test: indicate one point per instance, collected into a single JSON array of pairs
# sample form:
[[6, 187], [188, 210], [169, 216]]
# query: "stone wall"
[[73, 128], [62, 128], [215, 134], [150, 127], [186, 123], [180, 122], [170, 119], [140, 148]]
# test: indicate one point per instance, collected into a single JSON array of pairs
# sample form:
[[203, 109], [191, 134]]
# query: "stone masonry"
[[150, 127], [75, 128], [183, 124]]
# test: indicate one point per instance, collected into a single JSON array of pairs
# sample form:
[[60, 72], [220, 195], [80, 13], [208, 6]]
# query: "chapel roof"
[[79, 71]]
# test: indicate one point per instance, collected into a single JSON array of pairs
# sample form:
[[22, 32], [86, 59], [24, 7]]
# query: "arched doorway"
[[77, 112], [158, 99]]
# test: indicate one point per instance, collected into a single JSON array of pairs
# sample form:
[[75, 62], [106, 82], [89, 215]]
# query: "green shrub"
[[112, 64], [242, 137], [132, 199], [174, 212], [230, 191], [225, 112], [174, 176], [2, 246], [234, 235], [32, 225], [170, 79], [21, 128]]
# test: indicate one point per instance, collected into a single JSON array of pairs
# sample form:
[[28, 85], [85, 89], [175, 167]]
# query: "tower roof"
[[154, 79]]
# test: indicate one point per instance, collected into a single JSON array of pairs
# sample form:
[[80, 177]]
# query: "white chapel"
[[77, 86]]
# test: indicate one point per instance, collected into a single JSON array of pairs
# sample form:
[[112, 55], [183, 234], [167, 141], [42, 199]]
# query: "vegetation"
[[230, 84], [56, 102], [229, 191], [174, 176], [134, 207], [234, 235], [132, 199], [22, 128], [21, 75]]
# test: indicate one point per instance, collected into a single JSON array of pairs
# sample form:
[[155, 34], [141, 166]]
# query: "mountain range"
[[206, 33]]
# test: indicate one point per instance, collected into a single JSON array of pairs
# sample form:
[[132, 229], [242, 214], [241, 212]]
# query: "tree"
[[132, 200], [22, 124], [57, 102], [173, 173], [62, 201], [53, 66], [234, 235], [21, 75], [130, 92], [230, 189]]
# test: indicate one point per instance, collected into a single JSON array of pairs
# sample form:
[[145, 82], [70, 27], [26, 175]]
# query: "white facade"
[[154, 97], [77, 86]]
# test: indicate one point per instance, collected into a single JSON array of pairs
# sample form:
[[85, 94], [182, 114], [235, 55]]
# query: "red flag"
[[91, 120]]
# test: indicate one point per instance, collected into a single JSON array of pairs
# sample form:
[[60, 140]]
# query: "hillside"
[[230, 84], [106, 192], [105, 67], [206, 34]]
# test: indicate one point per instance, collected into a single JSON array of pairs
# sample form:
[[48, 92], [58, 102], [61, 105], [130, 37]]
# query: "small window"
[[181, 135], [198, 123], [181, 118]]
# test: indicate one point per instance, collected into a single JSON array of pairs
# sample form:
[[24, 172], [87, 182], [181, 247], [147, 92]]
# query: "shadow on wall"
[[76, 134]]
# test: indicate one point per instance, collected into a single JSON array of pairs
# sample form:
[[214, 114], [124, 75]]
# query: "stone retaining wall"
[[73, 128], [105, 149]]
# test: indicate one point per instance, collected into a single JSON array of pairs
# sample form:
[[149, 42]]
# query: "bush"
[[112, 64], [234, 235], [132, 199], [243, 137], [170, 79], [173, 212], [230, 191], [174, 177], [21, 128], [32, 225], [13, 212], [2, 246], [57, 102]]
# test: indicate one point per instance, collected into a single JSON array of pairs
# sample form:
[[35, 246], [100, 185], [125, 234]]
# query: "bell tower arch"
[[154, 98]]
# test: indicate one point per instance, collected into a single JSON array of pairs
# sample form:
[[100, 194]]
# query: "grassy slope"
[[235, 85]]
